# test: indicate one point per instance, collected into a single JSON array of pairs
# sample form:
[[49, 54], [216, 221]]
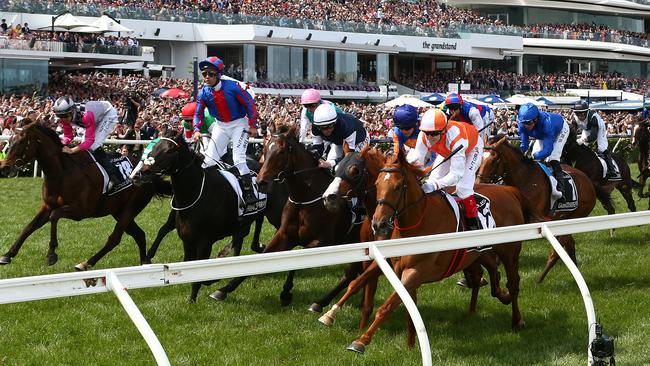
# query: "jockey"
[[236, 119], [98, 120], [406, 128], [438, 135], [594, 129], [334, 129], [459, 110], [187, 117], [551, 132], [310, 100]]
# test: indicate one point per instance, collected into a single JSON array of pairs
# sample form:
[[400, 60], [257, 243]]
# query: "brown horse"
[[641, 139], [72, 189], [508, 164], [585, 160], [305, 221], [404, 210]]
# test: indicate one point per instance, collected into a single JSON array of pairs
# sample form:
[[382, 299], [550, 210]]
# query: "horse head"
[[24, 144], [493, 168], [284, 157], [170, 155], [355, 176], [398, 189], [641, 134]]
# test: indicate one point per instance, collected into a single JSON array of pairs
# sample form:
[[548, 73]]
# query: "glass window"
[[23, 76], [316, 65]]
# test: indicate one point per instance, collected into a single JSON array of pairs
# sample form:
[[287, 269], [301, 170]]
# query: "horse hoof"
[[519, 326], [145, 261], [357, 347], [218, 295], [315, 308], [285, 300], [326, 320], [191, 300], [51, 259], [83, 266], [5, 260]]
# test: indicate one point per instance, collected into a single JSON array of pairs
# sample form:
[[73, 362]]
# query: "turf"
[[251, 328]]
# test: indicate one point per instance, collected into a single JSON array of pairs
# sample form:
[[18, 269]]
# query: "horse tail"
[[531, 213]]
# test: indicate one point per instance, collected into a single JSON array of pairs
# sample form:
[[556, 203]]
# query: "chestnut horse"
[[404, 210], [508, 164], [641, 139], [72, 189], [305, 221], [586, 160]]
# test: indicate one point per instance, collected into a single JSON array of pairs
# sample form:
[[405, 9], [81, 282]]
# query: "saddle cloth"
[[484, 214], [243, 209], [124, 166], [569, 200]]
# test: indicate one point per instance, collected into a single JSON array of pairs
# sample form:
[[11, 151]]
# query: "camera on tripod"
[[602, 348]]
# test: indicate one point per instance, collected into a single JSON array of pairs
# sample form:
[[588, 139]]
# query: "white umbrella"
[[66, 21], [408, 99], [108, 24], [519, 99]]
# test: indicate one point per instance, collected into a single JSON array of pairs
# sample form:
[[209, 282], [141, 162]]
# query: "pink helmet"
[[310, 96]]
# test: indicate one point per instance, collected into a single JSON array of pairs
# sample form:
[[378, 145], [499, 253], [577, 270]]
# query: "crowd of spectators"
[[158, 113], [495, 82], [424, 17]]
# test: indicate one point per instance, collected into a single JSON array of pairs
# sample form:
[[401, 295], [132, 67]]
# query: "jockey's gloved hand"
[[581, 141], [430, 186]]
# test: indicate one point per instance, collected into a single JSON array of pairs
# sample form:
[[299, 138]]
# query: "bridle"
[[357, 183], [392, 220], [176, 150], [289, 169], [494, 178]]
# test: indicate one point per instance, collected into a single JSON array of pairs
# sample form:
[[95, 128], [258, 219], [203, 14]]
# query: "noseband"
[[283, 174], [357, 183], [151, 161]]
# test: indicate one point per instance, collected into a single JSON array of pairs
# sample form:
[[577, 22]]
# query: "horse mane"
[[44, 130], [523, 158]]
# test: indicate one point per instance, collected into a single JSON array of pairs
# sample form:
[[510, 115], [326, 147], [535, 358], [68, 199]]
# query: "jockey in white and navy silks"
[[551, 132], [593, 129], [236, 119], [334, 129], [310, 100], [98, 121]]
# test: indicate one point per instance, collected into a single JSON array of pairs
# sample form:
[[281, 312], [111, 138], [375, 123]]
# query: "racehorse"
[[585, 160], [273, 212], [206, 205], [641, 138], [305, 220], [404, 210], [508, 164], [72, 189]]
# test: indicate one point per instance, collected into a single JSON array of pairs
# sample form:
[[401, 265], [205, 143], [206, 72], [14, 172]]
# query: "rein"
[[395, 207], [171, 202]]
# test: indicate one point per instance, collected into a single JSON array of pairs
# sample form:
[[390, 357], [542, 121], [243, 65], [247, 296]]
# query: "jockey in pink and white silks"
[[236, 120], [98, 120], [310, 100]]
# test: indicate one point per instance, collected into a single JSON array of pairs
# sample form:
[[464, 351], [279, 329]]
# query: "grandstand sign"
[[439, 46], [446, 46]]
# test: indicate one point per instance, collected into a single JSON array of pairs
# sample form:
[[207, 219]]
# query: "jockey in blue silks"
[[551, 132]]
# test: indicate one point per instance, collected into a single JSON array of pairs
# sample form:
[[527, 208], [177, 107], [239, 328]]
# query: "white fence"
[[118, 280]]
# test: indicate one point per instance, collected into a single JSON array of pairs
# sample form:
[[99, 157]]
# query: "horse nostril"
[[331, 197]]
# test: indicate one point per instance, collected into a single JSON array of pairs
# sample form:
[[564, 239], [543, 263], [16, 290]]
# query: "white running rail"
[[119, 280]]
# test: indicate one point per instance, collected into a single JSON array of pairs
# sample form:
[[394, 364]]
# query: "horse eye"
[[353, 171]]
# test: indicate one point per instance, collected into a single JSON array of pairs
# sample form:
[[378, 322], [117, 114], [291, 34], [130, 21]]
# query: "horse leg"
[[351, 272], [473, 275], [368, 304], [511, 265], [42, 216], [626, 192], [489, 262], [605, 197], [642, 185], [410, 327], [202, 251], [55, 216], [165, 229], [123, 221], [255, 244], [373, 271], [140, 239], [569, 245], [411, 282]]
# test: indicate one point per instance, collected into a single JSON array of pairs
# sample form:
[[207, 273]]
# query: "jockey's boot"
[[114, 176], [471, 214], [358, 209], [557, 173], [612, 174], [246, 183]]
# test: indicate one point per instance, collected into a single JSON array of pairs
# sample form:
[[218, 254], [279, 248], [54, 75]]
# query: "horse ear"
[[501, 141], [346, 148]]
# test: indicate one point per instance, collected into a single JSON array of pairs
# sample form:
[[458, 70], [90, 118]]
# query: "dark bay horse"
[[204, 202], [641, 139], [586, 160], [404, 210], [72, 189], [508, 164], [305, 220]]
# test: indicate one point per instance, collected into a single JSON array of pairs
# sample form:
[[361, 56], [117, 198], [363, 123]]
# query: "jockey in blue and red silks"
[[468, 112], [236, 120]]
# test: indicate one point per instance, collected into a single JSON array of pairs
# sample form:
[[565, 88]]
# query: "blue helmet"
[[212, 62], [527, 113], [644, 113], [405, 117]]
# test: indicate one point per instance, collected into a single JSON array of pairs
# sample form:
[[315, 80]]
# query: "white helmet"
[[63, 106], [325, 115]]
